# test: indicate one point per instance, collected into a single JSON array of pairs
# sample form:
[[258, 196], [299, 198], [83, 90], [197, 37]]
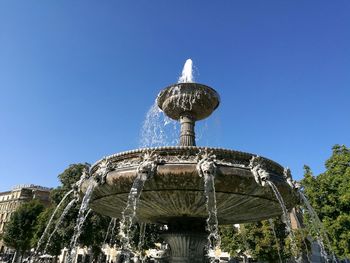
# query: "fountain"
[[190, 189]]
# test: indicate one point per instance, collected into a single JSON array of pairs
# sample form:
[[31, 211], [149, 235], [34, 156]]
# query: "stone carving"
[[206, 164], [259, 172], [288, 177], [103, 169], [78, 184], [148, 164]]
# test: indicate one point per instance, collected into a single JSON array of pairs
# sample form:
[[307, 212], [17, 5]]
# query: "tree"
[[20, 229], [94, 232], [67, 178], [329, 195]]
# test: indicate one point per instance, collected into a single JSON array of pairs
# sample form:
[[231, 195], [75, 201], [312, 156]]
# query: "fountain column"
[[187, 136]]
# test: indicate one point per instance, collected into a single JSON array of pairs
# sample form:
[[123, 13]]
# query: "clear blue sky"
[[77, 78]]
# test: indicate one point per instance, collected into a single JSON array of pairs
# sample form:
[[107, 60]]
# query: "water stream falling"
[[142, 241], [82, 215], [321, 232], [142, 236], [41, 240], [207, 169], [129, 212], [272, 225], [144, 172], [285, 214], [76, 236], [110, 231], [59, 221], [286, 218], [305, 244]]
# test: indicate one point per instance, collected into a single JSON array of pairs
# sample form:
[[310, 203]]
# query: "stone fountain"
[[174, 185]]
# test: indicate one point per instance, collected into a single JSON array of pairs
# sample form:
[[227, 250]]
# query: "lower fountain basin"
[[177, 191]]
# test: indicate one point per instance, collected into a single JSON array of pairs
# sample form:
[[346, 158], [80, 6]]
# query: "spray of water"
[[129, 212], [145, 170], [41, 240], [141, 243], [207, 169], [110, 231], [59, 221], [187, 72], [272, 225], [286, 218], [305, 245], [142, 236], [321, 232], [158, 129], [82, 215]]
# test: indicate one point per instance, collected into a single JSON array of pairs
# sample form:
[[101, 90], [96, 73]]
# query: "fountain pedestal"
[[187, 239], [186, 247]]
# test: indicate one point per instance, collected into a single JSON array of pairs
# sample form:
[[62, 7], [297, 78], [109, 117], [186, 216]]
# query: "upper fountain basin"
[[193, 100], [176, 190]]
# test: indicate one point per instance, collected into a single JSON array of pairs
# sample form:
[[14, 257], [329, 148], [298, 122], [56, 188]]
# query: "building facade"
[[11, 200]]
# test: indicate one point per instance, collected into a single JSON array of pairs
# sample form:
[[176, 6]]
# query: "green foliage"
[[152, 235], [20, 230], [256, 239], [94, 232], [231, 240], [329, 195], [265, 241]]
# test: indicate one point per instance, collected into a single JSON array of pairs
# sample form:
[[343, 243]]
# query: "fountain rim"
[[184, 148]]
